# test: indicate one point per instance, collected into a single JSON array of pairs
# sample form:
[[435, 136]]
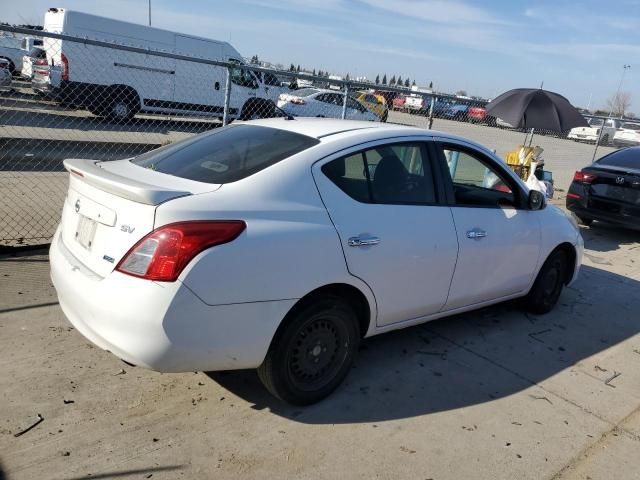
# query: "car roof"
[[330, 129], [324, 127]]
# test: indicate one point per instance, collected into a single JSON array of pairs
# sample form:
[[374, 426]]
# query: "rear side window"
[[387, 174], [625, 158], [227, 154]]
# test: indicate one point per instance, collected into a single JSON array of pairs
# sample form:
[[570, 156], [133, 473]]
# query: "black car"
[[608, 190]]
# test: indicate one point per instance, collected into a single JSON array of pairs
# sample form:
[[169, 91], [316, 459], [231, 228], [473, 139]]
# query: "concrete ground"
[[493, 394]]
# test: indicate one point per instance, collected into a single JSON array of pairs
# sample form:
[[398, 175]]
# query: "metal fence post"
[[344, 101], [227, 98], [433, 105]]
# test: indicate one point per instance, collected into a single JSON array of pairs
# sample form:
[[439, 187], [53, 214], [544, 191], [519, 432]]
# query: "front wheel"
[[313, 352], [548, 285]]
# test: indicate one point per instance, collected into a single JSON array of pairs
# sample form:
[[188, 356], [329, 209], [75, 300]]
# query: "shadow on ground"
[[468, 359], [603, 237]]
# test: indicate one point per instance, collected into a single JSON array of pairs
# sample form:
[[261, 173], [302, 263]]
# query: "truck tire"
[[122, 105], [257, 108]]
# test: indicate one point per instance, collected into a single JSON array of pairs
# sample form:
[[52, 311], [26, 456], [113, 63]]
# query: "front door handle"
[[476, 233], [363, 241]]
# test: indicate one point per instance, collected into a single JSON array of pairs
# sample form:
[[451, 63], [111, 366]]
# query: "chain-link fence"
[[76, 97]]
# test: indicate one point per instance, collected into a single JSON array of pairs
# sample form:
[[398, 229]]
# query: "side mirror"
[[536, 200]]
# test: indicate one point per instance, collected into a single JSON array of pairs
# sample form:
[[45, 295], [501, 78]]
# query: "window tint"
[[474, 182], [352, 103], [390, 174], [625, 158], [227, 154], [631, 126]]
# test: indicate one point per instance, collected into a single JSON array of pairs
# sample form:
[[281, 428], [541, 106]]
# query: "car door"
[[355, 110], [395, 232], [499, 237]]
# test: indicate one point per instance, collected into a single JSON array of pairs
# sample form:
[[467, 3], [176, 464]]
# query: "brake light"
[[574, 195], [163, 254], [583, 177], [297, 101], [65, 67]]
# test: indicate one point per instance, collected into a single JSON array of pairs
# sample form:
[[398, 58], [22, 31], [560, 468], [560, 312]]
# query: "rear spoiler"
[[125, 187]]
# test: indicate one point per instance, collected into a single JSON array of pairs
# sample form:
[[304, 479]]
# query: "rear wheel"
[[122, 105], [548, 285], [312, 352]]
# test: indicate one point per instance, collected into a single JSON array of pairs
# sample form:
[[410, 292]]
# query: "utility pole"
[[149, 12]]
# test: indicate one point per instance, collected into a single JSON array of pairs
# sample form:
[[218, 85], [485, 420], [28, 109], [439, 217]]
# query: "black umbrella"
[[536, 108]]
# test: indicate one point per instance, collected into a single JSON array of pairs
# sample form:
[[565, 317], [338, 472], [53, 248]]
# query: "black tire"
[[256, 109], [547, 288], [122, 107], [12, 66], [385, 115], [312, 352], [605, 139]]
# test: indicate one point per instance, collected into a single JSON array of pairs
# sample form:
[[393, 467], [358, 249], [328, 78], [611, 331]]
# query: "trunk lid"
[[111, 205], [618, 184]]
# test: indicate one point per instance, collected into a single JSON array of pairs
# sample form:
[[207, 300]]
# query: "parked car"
[[608, 190], [278, 244], [418, 104], [117, 84], [609, 126], [478, 114], [627, 135], [13, 49], [399, 103], [36, 55], [374, 103], [5, 74], [440, 107], [41, 77], [456, 111], [315, 102]]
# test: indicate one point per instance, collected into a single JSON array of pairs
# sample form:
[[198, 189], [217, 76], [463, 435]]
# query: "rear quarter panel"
[[289, 248]]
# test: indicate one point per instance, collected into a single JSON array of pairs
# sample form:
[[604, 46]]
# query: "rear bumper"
[[622, 217], [161, 326], [586, 137]]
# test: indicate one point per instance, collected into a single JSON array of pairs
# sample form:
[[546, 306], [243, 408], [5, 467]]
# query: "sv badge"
[[127, 229]]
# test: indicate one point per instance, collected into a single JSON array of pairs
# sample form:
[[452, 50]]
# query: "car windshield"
[[625, 158], [305, 92], [631, 126], [596, 122], [227, 154]]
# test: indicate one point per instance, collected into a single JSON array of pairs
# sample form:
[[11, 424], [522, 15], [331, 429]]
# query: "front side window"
[[475, 182], [226, 154], [386, 174], [242, 77]]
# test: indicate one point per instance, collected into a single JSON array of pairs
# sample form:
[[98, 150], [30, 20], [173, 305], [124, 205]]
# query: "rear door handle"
[[363, 241], [476, 233]]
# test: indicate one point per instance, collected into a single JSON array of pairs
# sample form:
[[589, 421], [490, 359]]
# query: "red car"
[[398, 102], [477, 114]]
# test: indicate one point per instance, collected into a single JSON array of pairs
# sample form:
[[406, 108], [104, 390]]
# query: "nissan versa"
[[279, 244]]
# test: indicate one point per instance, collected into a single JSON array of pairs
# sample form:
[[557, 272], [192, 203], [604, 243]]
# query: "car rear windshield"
[[596, 122], [225, 155], [625, 158]]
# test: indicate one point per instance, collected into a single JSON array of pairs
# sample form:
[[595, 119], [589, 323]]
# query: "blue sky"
[[577, 48]]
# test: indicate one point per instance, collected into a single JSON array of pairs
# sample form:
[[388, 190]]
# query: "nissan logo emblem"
[[77, 205], [619, 180]]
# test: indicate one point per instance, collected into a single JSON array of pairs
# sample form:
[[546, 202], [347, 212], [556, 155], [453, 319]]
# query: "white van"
[[118, 84]]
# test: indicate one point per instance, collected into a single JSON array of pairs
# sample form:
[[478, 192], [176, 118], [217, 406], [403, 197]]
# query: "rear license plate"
[[86, 231], [581, 136]]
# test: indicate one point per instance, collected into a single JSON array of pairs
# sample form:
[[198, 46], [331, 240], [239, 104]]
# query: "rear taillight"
[[163, 254], [583, 177], [297, 101], [65, 67]]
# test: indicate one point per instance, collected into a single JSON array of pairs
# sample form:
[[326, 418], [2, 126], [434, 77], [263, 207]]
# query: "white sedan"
[[278, 244], [314, 102]]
